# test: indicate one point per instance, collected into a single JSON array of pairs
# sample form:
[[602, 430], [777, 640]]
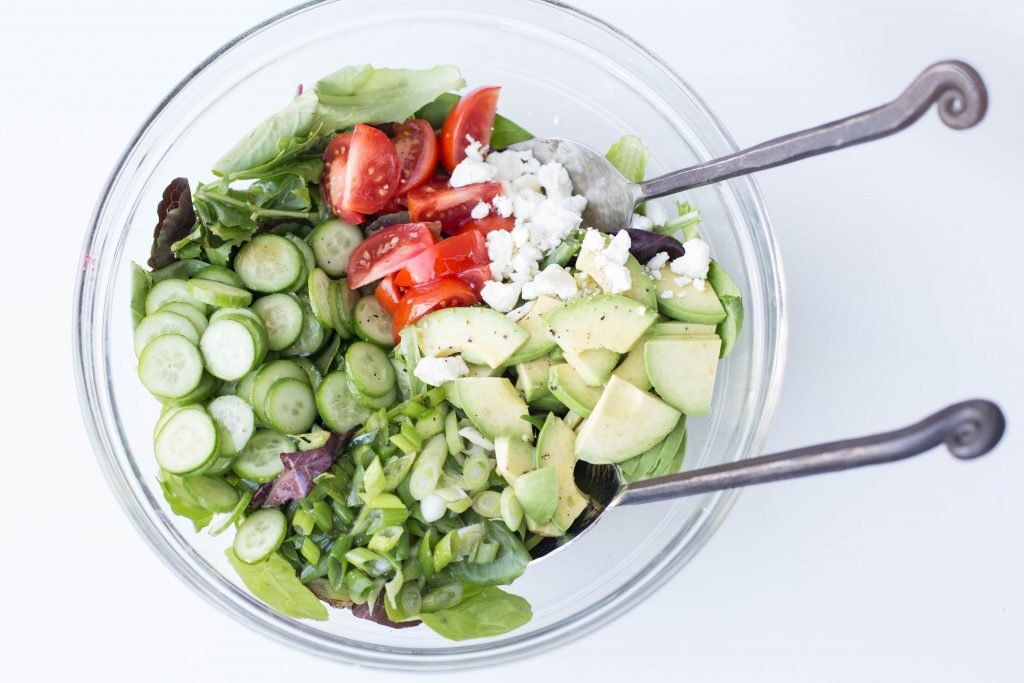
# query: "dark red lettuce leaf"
[[644, 245], [176, 220], [300, 469], [379, 615], [385, 221]]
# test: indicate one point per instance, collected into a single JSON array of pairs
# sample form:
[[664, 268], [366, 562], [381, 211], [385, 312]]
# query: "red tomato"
[[334, 180], [385, 251], [388, 293], [447, 257], [416, 146], [486, 224], [473, 115], [373, 171], [476, 277], [418, 301], [451, 206]]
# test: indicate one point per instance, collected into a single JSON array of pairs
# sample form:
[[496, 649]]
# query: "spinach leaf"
[[504, 133], [730, 296], [278, 138], [141, 282], [182, 502], [629, 155], [275, 583], [487, 612], [508, 564]]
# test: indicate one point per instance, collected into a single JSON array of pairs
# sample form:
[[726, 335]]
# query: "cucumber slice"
[[372, 323], [167, 413], [206, 388], [282, 316], [187, 442], [270, 263], [290, 406], [220, 274], [344, 303], [266, 377], [325, 359], [260, 460], [235, 422], [370, 369], [260, 535], [320, 298], [212, 492], [221, 465], [337, 404], [235, 313], [160, 323], [311, 338], [229, 349], [307, 254], [243, 388], [166, 291], [373, 402], [333, 243], [170, 366], [218, 294], [197, 318]]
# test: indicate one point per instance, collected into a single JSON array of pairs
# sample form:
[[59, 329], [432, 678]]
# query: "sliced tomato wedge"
[[388, 294], [416, 146], [476, 277], [373, 170], [385, 251], [334, 180], [451, 206], [418, 301], [486, 224], [448, 257], [472, 116]]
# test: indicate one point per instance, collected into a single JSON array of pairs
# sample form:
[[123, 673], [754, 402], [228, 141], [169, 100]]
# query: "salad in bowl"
[[383, 337]]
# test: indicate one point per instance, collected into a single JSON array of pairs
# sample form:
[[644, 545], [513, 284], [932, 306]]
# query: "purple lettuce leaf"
[[379, 615], [300, 470], [176, 220], [644, 245]]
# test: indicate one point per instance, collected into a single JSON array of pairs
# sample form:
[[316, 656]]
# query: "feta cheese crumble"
[[437, 371], [641, 222], [501, 296], [480, 210], [693, 264], [517, 314], [554, 281], [607, 262]]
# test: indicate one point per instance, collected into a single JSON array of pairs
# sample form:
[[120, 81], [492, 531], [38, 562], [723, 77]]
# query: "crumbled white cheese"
[[437, 371], [609, 269], [656, 212], [657, 261], [667, 294], [682, 280], [502, 205], [469, 172], [641, 222], [499, 251], [517, 314], [475, 151], [695, 260], [555, 180], [554, 281], [501, 296], [480, 210]]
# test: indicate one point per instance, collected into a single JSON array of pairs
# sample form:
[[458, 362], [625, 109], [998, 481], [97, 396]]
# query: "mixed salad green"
[[382, 341]]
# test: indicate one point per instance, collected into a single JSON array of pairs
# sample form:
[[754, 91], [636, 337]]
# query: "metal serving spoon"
[[955, 86], [968, 429]]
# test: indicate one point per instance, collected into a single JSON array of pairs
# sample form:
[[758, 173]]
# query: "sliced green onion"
[[392, 587], [431, 423], [303, 522], [322, 514], [396, 469], [511, 509], [487, 504], [444, 551], [427, 470], [485, 552], [473, 435], [386, 539], [368, 561], [412, 409], [425, 555], [310, 550], [437, 396], [358, 584], [469, 537], [451, 433], [476, 470], [342, 512], [442, 598], [373, 479], [410, 601]]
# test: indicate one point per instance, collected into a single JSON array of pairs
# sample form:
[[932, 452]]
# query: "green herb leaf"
[[504, 133], [282, 136], [730, 296], [274, 582], [488, 612], [629, 155]]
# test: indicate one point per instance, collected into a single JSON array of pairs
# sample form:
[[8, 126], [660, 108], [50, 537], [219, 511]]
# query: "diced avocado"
[[687, 304], [477, 333], [537, 492], [514, 456], [625, 422], [682, 370], [555, 452], [674, 329], [641, 286], [633, 368], [532, 382], [730, 296], [661, 460], [476, 370], [540, 341], [568, 387], [494, 406], [594, 366], [605, 321]]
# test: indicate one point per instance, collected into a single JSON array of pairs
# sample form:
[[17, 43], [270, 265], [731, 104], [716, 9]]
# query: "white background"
[[904, 262]]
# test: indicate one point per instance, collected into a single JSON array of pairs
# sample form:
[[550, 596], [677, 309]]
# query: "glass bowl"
[[563, 73]]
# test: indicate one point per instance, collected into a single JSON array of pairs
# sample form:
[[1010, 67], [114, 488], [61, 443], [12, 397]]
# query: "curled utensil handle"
[[955, 86], [969, 429]]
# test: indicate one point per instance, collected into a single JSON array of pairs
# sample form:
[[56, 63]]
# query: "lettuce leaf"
[[141, 283], [182, 503], [275, 583], [487, 612], [175, 220], [280, 137], [629, 155], [300, 470]]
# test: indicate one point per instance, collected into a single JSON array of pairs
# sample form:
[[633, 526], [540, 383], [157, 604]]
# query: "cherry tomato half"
[[472, 116], [416, 146], [373, 171], [450, 206], [385, 251], [388, 294], [486, 224], [476, 277], [448, 257], [334, 180], [418, 301]]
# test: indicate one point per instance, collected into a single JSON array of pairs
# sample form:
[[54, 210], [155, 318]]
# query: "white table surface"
[[904, 262]]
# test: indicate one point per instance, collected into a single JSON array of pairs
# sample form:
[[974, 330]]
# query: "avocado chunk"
[[686, 303], [605, 321], [494, 406], [674, 329], [537, 492], [664, 459], [625, 422], [555, 452], [682, 370], [540, 341], [568, 387], [514, 456], [481, 335], [594, 366], [532, 380], [633, 368], [641, 286], [732, 301]]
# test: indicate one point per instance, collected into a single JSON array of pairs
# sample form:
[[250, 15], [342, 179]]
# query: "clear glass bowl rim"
[[297, 634]]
